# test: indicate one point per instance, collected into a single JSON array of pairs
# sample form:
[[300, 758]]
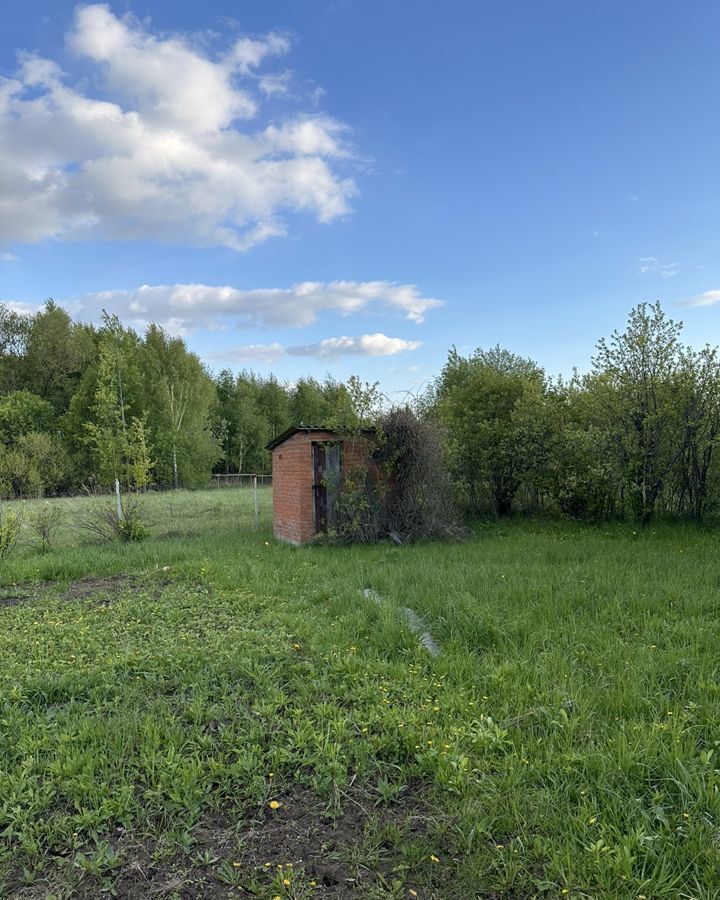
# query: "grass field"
[[211, 714]]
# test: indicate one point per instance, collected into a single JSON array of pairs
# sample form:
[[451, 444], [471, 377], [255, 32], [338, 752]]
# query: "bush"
[[45, 524], [101, 517], [403, 491], [132, 529], [10, 525], [417, 500]]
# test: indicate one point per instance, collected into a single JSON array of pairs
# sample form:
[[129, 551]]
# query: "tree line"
[[81, 406], [635, 436]]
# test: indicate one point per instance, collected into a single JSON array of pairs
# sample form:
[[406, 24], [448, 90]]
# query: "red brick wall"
[[292, 469]]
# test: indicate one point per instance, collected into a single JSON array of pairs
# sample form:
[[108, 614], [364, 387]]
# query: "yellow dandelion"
[[286, 882], [434, 858], [274, 804]]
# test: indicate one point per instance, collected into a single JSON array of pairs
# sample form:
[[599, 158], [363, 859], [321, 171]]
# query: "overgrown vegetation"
[[176, 712], [398, 485], [634, 437], [637, 436]]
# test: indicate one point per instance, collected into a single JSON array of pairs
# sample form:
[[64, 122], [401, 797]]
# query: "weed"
[[44, 523], [10, 525]]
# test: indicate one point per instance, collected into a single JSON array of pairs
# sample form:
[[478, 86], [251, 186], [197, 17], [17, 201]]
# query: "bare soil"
[[300, 832]]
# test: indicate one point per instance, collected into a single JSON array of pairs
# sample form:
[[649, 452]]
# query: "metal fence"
[[240, 479]]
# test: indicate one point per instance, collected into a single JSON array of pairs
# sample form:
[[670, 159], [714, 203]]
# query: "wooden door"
[[327, 471]]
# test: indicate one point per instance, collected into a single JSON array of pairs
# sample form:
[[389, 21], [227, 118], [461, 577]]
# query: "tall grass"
[[567, 736]]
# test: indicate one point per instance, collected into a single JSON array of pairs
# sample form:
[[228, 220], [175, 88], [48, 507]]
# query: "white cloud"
[[329, 348], [183, 308], [23, 309], [651, 265], [275, 85], [9, 257], [163, 149], [707, 298], [365, 345]]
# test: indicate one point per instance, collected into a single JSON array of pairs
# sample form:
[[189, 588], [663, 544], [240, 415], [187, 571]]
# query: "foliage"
[[398, 484], [10, 526], [45, 523], [636, 436], [22, 412], [139, 453], [56, 353], [101, 518], [131, 527], [14, 328], [180, 394], [635, 387], [476, 399], [417, 496]]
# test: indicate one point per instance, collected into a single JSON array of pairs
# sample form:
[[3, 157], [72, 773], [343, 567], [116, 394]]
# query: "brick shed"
[[307, 470]]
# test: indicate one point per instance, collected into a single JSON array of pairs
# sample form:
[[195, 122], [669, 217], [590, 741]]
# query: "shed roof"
[[294, 429], [307, 429]]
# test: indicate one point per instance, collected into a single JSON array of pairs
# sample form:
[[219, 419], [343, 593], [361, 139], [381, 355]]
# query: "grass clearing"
[[177, 716]]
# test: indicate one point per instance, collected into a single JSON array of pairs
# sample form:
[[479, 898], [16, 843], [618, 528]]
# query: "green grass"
[[564, 745]]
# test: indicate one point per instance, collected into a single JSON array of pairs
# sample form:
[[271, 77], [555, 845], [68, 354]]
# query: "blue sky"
[[353, 187]]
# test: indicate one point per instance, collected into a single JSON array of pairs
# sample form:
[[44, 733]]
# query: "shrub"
[[403, 491], [102, 518], [45, 524], [417, 497], [10, 525], [131, 528]]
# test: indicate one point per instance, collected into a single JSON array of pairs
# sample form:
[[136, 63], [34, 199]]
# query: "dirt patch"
[[230, 857], [109, 586], [36, 892], [15, 599], [103, 590]]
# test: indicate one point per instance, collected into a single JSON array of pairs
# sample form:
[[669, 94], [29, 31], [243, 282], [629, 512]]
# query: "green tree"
[[57, 352], [180, 397], [14, 329], [139, 454], [476, 399], [635, 387], [116, 395], [22, 412], [273, 402], [251, 425], [308, 403], [699, 408]]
